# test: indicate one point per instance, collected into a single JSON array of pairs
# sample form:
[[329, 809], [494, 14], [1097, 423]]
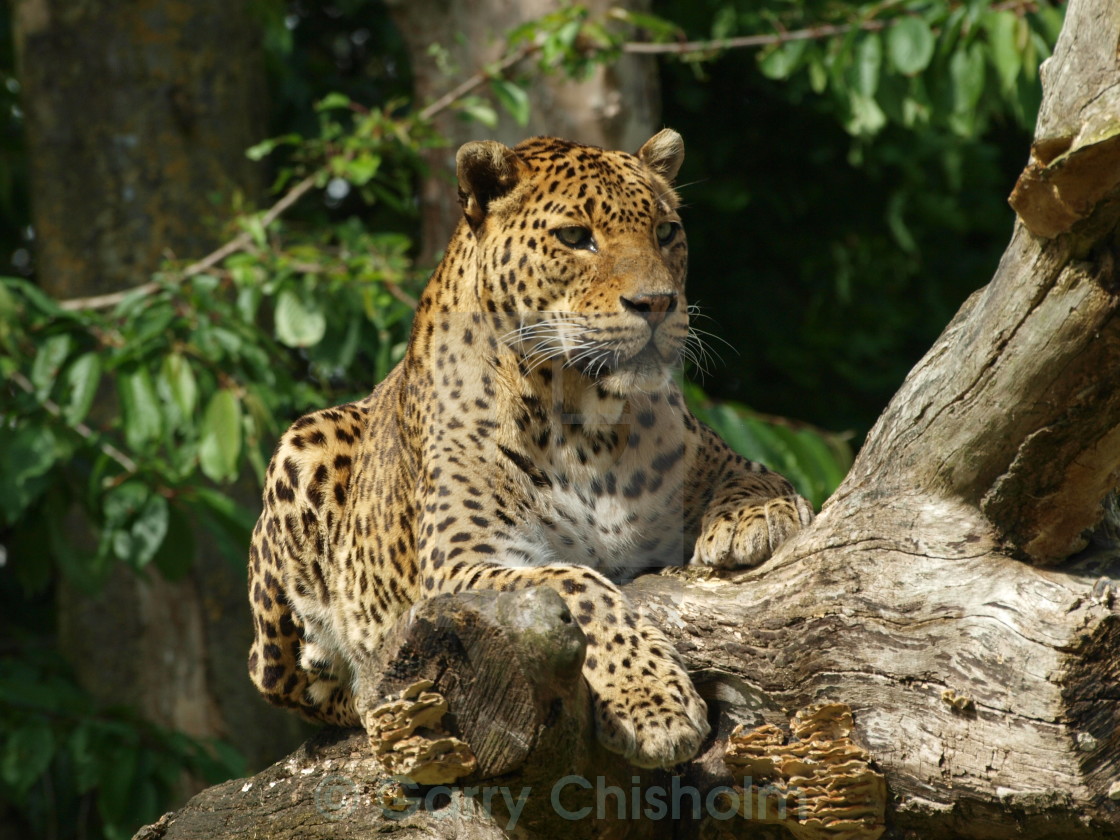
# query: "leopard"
[[534, 434]]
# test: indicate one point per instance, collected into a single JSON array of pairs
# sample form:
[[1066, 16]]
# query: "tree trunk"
[[137, 115], [616, 107], [982, 677]]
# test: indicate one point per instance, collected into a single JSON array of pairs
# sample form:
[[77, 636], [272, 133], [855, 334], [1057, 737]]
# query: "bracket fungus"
[[817, 782], [408, 735]]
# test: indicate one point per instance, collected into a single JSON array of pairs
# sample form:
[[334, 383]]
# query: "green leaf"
[[298, 322], [781, 61], [232, 517], [27, 755], [145, 805], [333, 101], [11, 312], [660, 29], [26, 456], [140, 407], [916, 108], [814, 461], [230, 762], [869, 61], [254, 226], [866, 117], [1035, 51], [228, 525], [221, 437], [821, 458], [115, 782], [48, 363], [265, 147], [246, 274], [248, 301], [38, 298], [1049, 20], [82, 378], [260, 150], [1005, 54], [362, 168], [513, 98], [474, 108], [179, 380], [36, 686], [896, 221], [147, 532], [966, 70], [818, 71], [910, 44], [123, 502], [83, 756], [807, 457], [233, 343], [153, 321]]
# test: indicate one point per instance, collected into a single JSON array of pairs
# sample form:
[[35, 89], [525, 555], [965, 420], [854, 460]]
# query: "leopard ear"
[[663, 153], [486, 170]]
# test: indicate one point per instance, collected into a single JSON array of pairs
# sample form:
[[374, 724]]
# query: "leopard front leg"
[[750, 512], [646, 707]]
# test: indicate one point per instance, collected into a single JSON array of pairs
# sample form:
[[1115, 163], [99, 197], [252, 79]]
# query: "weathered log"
[[507, 665], [986, 693], [984, 688]]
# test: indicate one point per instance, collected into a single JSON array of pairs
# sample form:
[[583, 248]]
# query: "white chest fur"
[[620, 518]]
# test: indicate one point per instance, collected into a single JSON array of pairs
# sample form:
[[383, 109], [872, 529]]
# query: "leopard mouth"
[[650, 361], [595, 348]]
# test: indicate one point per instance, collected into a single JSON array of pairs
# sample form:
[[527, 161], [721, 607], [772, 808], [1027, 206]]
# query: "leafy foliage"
[[941, 65], [63, 761], [814, 460], [191, 383]]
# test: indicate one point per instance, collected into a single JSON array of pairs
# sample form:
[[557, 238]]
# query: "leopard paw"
[[646, 707], [745, 535]]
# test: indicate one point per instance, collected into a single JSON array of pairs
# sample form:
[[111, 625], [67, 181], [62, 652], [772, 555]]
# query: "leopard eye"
[[575, 236], [666, 231]]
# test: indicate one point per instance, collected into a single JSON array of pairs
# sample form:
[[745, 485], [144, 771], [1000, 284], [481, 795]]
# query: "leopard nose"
[[652, 307]]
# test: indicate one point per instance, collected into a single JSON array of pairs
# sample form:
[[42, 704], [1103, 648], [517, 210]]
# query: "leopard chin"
[[645, 373]]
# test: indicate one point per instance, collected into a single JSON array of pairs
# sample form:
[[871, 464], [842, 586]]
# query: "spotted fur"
[[532, 436]]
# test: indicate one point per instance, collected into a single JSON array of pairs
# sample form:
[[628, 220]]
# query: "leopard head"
[[580, 255]]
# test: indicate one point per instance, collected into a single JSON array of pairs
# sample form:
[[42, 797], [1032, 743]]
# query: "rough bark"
[[928, 595], [616, 107], [986, 694], [137, 115], [508, 665], [1015, 410]]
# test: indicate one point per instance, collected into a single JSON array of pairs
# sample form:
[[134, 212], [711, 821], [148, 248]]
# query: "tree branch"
[[811, 33], [482, 76], [52, 408], [238, 243]]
